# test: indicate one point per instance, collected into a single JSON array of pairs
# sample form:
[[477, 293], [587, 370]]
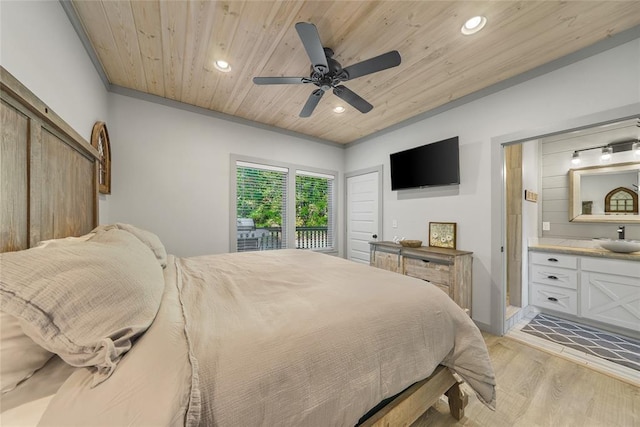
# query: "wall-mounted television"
[[429, 165]]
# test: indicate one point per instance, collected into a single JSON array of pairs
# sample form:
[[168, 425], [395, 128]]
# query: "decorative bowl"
[[411, 243]]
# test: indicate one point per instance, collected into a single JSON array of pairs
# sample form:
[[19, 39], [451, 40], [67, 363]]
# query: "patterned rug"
[[606, 345]]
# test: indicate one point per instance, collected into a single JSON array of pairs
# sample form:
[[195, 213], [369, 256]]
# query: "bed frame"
[[48, 172], [49, 189]]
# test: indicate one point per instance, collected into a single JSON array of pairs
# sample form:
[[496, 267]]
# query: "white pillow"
[[64, 240], [86, 301], [148, 238], [20, 356]]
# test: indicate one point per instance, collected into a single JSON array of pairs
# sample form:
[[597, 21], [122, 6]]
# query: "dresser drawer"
[[554, 276], [435, 271], [554, 298], [554, 260]]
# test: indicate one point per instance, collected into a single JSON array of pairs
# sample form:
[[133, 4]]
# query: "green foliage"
[[312, 196], [259, 196]]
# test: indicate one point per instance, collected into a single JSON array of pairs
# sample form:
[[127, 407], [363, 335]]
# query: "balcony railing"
[[271, 238]]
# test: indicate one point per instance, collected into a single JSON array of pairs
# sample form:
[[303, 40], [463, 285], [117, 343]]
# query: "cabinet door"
[[387, 261], [611, 299]]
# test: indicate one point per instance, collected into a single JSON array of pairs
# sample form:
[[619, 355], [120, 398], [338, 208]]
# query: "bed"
[[121, 333]]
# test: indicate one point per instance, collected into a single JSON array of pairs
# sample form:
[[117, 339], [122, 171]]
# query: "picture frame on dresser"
[[442, 234]]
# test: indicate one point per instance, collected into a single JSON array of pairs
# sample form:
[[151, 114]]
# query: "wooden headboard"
[[48, 172]]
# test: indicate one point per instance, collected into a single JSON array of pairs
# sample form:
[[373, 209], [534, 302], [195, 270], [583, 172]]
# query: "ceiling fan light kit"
[[326, 73]]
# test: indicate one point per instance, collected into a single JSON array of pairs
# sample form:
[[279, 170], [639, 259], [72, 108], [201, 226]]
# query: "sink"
[[623, 246]]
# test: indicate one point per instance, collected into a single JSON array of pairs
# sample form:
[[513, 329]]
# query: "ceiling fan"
[[327, 73]]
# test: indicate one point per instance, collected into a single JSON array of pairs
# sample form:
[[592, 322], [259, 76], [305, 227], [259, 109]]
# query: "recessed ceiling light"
[[473, 25], [222, 66], [339, 109]]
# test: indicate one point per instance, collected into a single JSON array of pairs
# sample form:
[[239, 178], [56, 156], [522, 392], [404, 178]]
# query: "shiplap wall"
[[555, 164]]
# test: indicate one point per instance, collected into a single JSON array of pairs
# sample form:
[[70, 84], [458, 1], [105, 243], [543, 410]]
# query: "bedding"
[[85, 301], [151, 240], [24, 405], [283, 337], [20, 356]]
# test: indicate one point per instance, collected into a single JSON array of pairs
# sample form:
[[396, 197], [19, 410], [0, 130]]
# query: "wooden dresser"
[[448, 269]]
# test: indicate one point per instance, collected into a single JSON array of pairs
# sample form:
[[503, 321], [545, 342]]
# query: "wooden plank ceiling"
[[167, 48]]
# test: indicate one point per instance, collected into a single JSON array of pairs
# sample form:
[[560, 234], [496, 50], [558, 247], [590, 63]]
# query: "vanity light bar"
[[607, 150]]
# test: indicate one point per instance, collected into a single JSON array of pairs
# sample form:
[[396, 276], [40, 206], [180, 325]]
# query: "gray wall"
[[556, 162], [41, 49]]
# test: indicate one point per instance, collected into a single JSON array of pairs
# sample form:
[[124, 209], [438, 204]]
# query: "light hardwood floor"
[[538, 389]]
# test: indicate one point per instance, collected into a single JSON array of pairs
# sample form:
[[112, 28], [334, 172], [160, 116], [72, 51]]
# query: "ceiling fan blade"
[[373, 65], [312, 101], [352, 98], [279, 80], [311, 40]]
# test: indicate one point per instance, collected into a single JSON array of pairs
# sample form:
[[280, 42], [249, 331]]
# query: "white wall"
[[40, 48], [171, 170], [603, 82]]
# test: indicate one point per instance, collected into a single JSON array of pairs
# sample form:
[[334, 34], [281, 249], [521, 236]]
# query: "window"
[[269, 202], [314, 210], [261, 207], [621, 200]]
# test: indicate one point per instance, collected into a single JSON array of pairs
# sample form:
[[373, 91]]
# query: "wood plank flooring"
[[536, 388]]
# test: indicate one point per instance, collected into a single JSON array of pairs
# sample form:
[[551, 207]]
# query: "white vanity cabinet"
[[610, 291], [602, 289]]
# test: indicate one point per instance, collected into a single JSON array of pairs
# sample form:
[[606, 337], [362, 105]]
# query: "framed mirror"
[[605, 193]]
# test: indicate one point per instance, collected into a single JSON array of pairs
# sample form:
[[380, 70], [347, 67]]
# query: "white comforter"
[[285, 338]]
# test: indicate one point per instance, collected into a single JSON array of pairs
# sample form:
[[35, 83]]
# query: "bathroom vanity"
[[588, 284]]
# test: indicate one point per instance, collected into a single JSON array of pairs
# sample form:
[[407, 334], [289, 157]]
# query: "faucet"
[[620, 232]]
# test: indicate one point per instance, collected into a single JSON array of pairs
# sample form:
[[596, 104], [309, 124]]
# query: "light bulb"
[[635, 148], [473, 25], [222, 66], [575, 159], [606, 153]]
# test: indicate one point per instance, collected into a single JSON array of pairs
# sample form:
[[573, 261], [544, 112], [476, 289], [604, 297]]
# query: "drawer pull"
[[552, 277], [553, 299], [552, 259]]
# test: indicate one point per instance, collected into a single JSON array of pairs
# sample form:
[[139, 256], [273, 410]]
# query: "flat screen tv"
[[429, 165]]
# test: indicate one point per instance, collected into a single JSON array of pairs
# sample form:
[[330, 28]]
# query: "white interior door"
[[363, 197]]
